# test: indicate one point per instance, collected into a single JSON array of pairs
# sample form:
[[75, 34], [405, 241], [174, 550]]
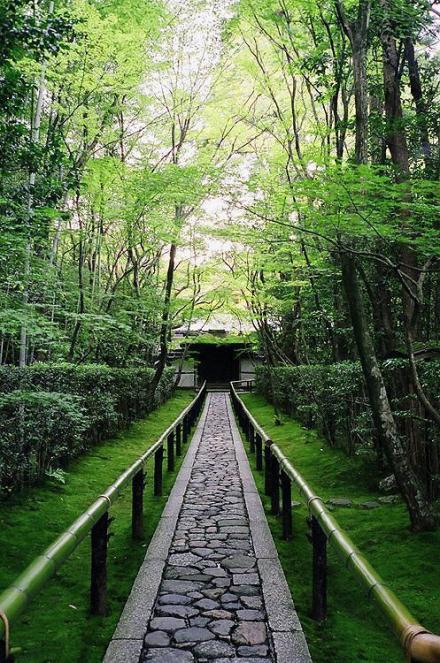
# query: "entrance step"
[[218, 386]]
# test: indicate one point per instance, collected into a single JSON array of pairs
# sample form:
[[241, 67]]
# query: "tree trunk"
[[357, 33], [163, 338], [81, 302], [420, 512], [361, 100], [417, 94], [395, 135], [35, 137]]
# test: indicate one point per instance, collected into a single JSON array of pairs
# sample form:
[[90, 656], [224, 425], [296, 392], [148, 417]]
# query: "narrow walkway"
[[222, 596]]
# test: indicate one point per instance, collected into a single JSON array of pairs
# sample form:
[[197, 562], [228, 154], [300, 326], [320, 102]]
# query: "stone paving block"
[[250, 633], [168, 656], [214, 649], [157, 639], [168, 624], [193, 634]]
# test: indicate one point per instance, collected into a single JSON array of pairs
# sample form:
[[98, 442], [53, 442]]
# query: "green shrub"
[[333, 399], [72, 407], [328, 397], [38, 431]]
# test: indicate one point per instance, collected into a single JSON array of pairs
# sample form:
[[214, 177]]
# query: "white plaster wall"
[[187, 377], [247, 368]]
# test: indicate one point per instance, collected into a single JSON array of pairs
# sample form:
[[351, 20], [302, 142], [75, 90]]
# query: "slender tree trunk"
[[357, 33], [81, 302], [58, 231], [381, 306], [163, 338], [395, 135], [35, 137], [361, 100], [417, 94]]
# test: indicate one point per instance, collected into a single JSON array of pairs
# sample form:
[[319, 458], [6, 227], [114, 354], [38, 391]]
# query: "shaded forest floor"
[[57, 626], [355, 629]]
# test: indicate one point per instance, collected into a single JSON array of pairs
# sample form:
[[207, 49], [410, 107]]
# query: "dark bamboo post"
[[158, 462], [267, 468], [178, 440], [241, 417], [319, 541], [3, 654], [137, 505], [275, 485], [170, 452], [185, 429], [251, 438], [98, 575], [259, 451], [286, 491]]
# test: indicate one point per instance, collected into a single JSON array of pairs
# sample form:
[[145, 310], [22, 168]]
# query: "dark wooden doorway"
[[217, 364]]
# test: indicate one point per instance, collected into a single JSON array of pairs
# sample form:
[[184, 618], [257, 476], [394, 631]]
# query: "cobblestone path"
[[210, 604]]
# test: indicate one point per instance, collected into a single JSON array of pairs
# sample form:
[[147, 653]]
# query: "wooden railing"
[[95, 521], [418, 643]]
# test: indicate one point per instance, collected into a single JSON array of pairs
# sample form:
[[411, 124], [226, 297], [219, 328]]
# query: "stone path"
[[211, 603]]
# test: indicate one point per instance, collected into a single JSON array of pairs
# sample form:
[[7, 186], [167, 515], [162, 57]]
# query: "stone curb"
[[126, 643], [288, 639]]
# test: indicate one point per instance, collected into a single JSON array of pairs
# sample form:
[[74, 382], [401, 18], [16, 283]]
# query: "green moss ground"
[[57, 628], [409, 563]]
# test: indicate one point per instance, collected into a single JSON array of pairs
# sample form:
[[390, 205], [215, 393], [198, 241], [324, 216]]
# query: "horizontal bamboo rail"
[[95, 521], [419, 644]]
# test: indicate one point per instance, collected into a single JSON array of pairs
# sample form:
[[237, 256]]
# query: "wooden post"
[[185, 429], [241, 417], [259, 451], [170, 452], [267, 469], [251, 438], [275, 485], [319, 541], [3, 654], [286, 491], [158, 462], [98, 575], [137, 505], [178, 440]]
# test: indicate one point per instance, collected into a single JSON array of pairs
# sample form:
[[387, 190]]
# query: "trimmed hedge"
[[333, 399], [50, 413]]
